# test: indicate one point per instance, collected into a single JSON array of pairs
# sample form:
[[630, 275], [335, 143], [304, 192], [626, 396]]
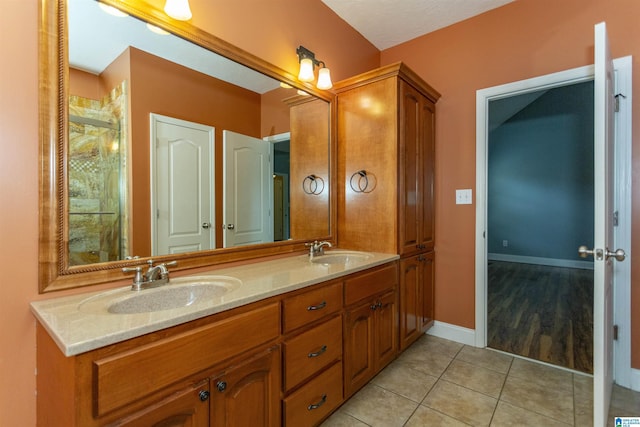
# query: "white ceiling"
[[387, 23]]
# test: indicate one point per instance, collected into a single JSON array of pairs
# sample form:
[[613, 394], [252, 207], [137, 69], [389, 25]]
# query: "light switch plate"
[[463, 197]]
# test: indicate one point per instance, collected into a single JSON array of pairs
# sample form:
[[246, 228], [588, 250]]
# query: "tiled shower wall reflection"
[[97, 171]]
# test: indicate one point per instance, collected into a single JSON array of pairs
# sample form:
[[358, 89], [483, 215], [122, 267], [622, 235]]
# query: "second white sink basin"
[[340, 257], [178, 293]]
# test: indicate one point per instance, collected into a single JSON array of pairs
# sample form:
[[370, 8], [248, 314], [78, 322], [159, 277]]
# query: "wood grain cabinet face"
[[370, 325], [416, 297], [188, 408], [248, 394]]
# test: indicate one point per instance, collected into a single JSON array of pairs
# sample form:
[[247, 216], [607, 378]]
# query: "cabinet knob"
[[374, 306], [221, 386], [204, 395]]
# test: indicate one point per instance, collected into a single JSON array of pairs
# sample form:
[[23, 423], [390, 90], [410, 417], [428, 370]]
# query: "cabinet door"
[[386, 330], [248, 394], [358, 347], [428, 292], [411, 305], [410, 169], [426, 239], [188, 408]]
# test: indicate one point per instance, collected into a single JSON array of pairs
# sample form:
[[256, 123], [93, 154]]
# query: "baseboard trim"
[[567, 263], [453, 333], [635, 379]]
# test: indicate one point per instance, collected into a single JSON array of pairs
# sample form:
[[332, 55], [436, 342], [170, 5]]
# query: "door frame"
[[622, 271]]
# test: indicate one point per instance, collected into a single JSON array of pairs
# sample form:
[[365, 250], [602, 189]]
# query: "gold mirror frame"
[[54, 271]]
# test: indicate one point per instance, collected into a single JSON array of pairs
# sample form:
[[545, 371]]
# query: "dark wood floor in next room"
[[541, 312]]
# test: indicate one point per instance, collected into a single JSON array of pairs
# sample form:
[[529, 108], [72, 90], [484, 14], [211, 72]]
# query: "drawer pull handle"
[[319, 404], [319, 352], [320, 306]]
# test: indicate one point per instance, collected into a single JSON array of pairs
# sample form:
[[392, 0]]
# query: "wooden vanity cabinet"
[[248, 393], [416, 297], [370, 326], [159, 376], [312, 350], [386, 165]]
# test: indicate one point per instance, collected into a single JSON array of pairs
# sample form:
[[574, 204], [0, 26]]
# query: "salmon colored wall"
[[84, 84], [523, 39], [191, 96], [342, 48]]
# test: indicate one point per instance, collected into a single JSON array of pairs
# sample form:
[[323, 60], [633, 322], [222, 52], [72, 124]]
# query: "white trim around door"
[[622, 272]]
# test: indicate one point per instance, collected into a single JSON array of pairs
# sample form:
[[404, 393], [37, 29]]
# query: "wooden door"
[[427, 299], [248, 394], [427, 224], [410, 169], [188, 408], [386, 330], [410, 301], [359, 363]]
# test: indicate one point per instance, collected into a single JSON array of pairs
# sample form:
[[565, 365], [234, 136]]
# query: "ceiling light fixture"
[[178, 9], [308, 61]]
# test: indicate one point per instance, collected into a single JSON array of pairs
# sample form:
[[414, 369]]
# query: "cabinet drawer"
[[309, 352], [130, 375], [310, 404], [367, 284], [305, 308]]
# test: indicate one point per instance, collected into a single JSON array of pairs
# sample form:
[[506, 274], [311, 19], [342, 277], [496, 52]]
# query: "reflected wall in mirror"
[[147, 147]]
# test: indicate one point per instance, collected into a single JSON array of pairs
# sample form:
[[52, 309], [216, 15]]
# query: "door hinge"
[[615, 219], [615, 332], [617, 101]]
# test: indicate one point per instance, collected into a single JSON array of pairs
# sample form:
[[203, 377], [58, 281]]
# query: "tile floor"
[[437, 382]]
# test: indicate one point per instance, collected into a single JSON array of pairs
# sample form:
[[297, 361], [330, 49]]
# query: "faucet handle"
[[137, 279]]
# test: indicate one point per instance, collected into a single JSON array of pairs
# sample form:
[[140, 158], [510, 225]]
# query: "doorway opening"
[[623, 374], [539, 210]]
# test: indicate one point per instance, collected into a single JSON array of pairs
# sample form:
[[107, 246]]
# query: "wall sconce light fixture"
[[178, 9], [307, 63]]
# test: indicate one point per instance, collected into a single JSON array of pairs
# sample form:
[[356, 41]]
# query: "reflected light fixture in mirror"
[[178, 9], [307, 63]]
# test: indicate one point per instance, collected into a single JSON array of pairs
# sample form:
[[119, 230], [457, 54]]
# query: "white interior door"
[[248, 189], [181, 186], [603, 227]]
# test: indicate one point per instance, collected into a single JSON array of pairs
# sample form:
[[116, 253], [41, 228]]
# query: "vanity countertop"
[[78, 324]]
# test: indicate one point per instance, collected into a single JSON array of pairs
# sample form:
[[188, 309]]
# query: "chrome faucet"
[[156, 275], [316, 248]]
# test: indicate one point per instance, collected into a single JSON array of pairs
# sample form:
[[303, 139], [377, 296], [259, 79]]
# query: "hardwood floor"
[[541, 312]]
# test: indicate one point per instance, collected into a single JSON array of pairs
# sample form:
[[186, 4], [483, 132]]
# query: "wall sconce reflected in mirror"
[[178, 9], [308, 61]]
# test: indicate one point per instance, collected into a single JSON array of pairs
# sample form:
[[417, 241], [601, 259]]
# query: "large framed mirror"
[[161, 141]]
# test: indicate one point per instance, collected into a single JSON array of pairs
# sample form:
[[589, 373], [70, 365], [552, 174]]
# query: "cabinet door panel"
[[427, 161], [386, 328], [182, 409], [410, 173], [428, 297], [358, 348], [411, 319], [248, 394]]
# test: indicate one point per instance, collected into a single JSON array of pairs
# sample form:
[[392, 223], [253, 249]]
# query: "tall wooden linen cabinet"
[[386, 153]]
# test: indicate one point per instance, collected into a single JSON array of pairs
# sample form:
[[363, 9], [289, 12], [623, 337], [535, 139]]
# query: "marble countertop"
[[80, 323]]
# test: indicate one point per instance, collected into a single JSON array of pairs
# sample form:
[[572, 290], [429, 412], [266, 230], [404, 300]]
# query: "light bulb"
[[306, 70], [112, 10], [178, 9], [324, 79]]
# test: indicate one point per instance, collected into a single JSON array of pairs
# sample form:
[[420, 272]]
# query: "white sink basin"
[[340, 257], [178, 293]]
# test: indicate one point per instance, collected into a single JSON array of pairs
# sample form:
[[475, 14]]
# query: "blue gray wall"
[[540, 176]]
